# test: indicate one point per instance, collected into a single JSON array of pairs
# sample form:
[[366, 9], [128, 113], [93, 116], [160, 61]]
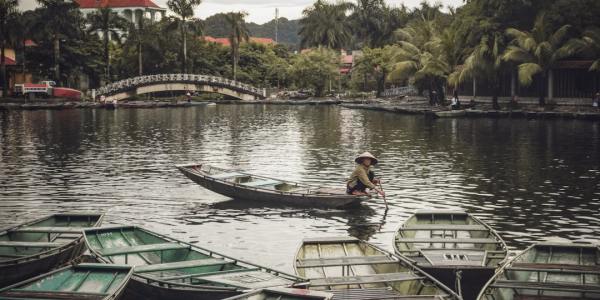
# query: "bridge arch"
[[127, 88]]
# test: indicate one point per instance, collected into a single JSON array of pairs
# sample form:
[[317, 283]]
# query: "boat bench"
[[344, 261], [378, 293], [550, 286], [446, 241], [30, 244], [227, 175], [62, 295], [446, 227], [440, 212], [366, 279], [181, 265], [261, 182], [40, 229], [555, 268], [142, 249]]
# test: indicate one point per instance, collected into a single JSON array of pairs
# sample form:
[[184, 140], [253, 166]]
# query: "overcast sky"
[[261, 11]]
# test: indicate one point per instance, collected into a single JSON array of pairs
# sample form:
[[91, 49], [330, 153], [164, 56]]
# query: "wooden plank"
[[446, 227], [181, 265], [258, 183], [179, 277], [446, 241], [30, 244], [40, 229], [365, 279], [142, 248], [344, 261], [541, 267], [549, 286], [227, 175], [329, 240], [62, 295], [440, 212], [377, 294]]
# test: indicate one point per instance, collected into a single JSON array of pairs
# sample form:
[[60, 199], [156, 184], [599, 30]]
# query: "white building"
[[132, 10]]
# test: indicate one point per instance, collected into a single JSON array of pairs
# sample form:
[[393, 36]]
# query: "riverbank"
[[71, 105]]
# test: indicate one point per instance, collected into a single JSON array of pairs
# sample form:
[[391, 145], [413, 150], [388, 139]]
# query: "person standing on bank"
[[596, 101], [362, 177]]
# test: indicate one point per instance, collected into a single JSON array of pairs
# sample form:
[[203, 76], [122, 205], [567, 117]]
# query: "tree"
[[325, 24], [109, 26], [537, 51], [589, 45], [375, 63], [59, 19], [312, 68], [8, 10], [139, 35], [184, 11], [373, 22], [238, 34]]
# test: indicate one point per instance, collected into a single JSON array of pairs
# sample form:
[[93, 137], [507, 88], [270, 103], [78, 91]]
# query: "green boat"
[[165, 268], [351, 268], [548, 271], [453, 246], [37, 247], [284, 294], [83, 281]]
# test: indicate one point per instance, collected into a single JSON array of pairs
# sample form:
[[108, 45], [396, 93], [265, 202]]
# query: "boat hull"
[[138, 288], [471, 280], [239, 192]]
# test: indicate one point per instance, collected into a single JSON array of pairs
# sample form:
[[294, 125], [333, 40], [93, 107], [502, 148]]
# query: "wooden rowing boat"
[[38, 246], [83, 281], [451, 113], [454, 246], [354, 269], [548, 271], [284, 294], [240, 185], [165, 268]]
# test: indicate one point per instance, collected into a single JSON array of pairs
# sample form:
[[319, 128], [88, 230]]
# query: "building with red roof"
[[132, 10]]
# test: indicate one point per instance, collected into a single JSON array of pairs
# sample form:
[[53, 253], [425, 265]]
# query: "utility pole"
[[276, 25]]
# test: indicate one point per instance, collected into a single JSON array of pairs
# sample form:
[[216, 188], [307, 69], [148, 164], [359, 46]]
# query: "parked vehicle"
[[46, 89]]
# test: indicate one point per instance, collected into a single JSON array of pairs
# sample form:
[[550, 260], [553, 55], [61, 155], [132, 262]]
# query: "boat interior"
[[547, 271], [48, 233], [449, 238], [85, 281], [174, 262], [352, 269], [284, 294]]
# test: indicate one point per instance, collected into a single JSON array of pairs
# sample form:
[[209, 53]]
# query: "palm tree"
[[111, 26], [484, 61], [57, 17], [8, 9], [374, 22], [537, 52], [140, 35], [418, 58], [589, 44], [184, 10], [239, 33], [325, 24]]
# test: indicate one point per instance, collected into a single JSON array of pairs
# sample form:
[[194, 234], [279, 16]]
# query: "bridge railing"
[[129, 83], [400, 91]]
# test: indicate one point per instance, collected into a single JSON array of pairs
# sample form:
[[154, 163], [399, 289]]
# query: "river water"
[[530, 180]]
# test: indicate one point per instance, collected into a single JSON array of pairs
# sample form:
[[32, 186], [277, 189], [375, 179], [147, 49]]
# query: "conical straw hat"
[[374, 160]]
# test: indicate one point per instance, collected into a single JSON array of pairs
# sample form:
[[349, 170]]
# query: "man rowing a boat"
[[362, 177]]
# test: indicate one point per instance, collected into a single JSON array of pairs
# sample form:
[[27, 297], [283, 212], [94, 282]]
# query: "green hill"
[[216, 26]]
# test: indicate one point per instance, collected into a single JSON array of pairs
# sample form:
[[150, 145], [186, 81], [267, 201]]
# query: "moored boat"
[[453, 246], [353, 269], [283, 294], [165, 268], [38, 246], [451, 113], [83, 281], [548, 271], [240, 185]]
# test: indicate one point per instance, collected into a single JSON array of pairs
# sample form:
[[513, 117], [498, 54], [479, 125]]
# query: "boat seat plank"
[[366, 279], [345, 261], [43, 229], [180, 277], [377, 294], [181, 265], [62, 295], [447, 241], [330, 240], [30, 244], [550, 286], [447, 227], [554, 267], [258, 183], [440, 212], [247, 279], [142, 248], [227, 175]]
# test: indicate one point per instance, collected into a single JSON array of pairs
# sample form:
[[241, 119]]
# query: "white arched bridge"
[[140, 85]]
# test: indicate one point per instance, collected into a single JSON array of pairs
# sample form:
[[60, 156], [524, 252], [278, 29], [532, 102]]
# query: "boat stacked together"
[[439, 255]]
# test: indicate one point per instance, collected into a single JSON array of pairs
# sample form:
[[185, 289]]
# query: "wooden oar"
[[384, 200]]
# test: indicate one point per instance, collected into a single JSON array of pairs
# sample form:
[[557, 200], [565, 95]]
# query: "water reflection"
[[531, 180]]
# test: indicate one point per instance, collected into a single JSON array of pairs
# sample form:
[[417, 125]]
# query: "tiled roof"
[[116, 3], [9, 61]]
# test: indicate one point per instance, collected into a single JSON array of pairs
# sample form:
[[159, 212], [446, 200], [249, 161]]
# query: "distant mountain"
[[216, 26]]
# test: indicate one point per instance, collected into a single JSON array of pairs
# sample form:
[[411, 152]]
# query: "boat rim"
[[188, 168], [496, 235], [51, 251], [168, 284]]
